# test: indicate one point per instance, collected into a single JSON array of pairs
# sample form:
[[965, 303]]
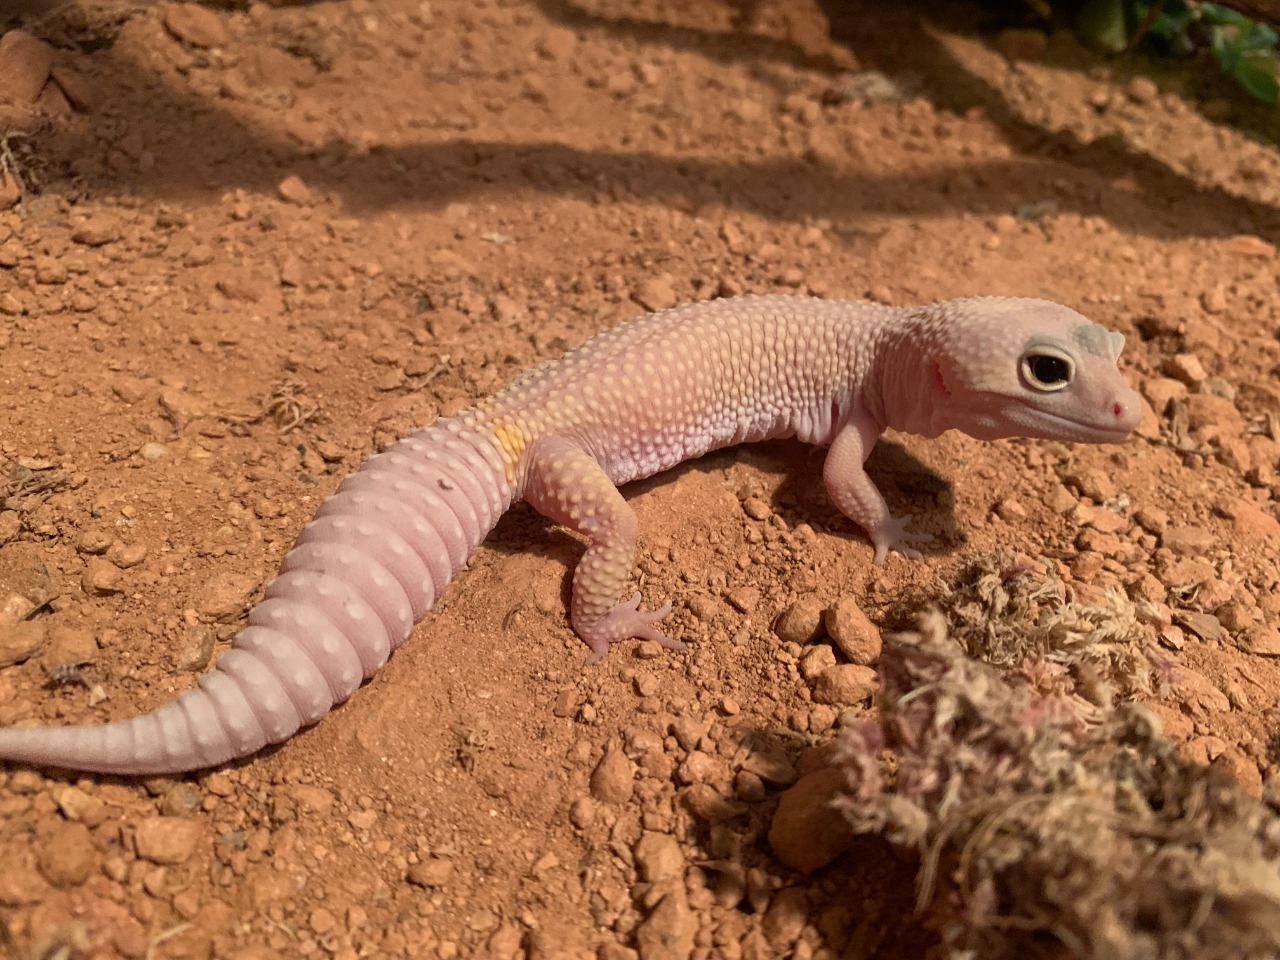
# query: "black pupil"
[[1049, 369]]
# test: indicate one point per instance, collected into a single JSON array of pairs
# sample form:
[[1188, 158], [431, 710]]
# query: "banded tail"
[[370, 565]]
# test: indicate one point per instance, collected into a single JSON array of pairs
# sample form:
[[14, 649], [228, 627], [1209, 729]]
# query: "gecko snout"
[[1124, 409]]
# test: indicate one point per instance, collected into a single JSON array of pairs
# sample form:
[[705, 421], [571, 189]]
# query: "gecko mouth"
[[1058, 427]]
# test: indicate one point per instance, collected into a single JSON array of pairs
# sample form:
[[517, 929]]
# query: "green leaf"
[[1171, 23], [1226, 48], [1102, 25], [1219, 15], [1257, 72], [1258, 37]]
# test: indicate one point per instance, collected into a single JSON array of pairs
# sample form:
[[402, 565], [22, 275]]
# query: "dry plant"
[[1048, 827], [1004, 611], [288, 406], [20, 164]]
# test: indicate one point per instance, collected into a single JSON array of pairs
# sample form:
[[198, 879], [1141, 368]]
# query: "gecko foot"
[[624, 622], [895, 536]]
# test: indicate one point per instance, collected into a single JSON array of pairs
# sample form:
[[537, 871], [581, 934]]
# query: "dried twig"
[[288, 407]]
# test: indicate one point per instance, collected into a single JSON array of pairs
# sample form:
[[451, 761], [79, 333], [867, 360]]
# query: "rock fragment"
[[66, 855], [785, 918], [656, 293], [845, 684], [19, 642], [434, 872], [613, 779], [196, 25], [97, 232], [852, 631], [807, 833], [801, 622], [166, 840], [292, 189], [25, 62], [668, 932], [658, 857], [101, 577]]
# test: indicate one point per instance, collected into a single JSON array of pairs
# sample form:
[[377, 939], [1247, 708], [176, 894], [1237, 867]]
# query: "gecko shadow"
[[909, 485]]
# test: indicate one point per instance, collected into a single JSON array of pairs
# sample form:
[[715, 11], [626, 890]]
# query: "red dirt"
[[252, 264]]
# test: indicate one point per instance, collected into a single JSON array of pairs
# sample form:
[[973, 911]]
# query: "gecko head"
[[1009, 367]]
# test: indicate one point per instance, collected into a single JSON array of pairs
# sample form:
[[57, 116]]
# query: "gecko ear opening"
[[1117, 342]]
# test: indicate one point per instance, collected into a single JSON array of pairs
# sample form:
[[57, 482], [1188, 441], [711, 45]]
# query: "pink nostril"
[[1117, 410]]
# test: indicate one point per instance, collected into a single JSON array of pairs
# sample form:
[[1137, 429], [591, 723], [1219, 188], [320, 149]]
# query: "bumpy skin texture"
[[631, 402]]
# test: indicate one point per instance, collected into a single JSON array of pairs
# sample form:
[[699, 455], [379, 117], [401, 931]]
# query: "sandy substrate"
[[260, 244]]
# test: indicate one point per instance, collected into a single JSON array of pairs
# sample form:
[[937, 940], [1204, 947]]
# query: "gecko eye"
[[1046, 371]]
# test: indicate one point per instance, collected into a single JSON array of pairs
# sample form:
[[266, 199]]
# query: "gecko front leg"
[[857, 496], [566, 484]]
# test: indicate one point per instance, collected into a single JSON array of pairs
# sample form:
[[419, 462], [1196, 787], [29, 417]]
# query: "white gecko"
[[629, 403]]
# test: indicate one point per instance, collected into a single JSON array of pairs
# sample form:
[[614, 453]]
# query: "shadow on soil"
[[199, 147]]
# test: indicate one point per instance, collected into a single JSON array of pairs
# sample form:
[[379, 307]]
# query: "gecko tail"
[[374, 560]]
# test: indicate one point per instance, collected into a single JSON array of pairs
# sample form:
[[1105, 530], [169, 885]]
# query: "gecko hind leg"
[[567, 485]]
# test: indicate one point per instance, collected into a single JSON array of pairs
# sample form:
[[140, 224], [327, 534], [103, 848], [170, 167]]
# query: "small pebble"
[[20, 641], [126, 555], [852, 631], [582, 812], [785, 918], [1011, 511], [292, 189], [1189, 541], [96, 233], [1186, 368], [656, 293], [743, 599], [845, 684], [807, 831], [180, 800], [668, 932], [1261, 640], [749, 787], [1215, 299], [25, 62], [430, 873], [80, 807], [646, 684], [707, 804], [816, 660], [800, 623], [66, 855], [699, 767], [322, 921], [195, 25], [770, 763], [1142, 90], [101, 577], [613, 779], [167, 840], [658, 857]]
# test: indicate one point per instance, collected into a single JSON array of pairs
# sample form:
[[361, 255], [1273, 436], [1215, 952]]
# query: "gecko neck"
[[903, 392]]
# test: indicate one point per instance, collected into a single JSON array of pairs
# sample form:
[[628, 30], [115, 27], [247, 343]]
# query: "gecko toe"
[[625, 621], [896, 537]]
